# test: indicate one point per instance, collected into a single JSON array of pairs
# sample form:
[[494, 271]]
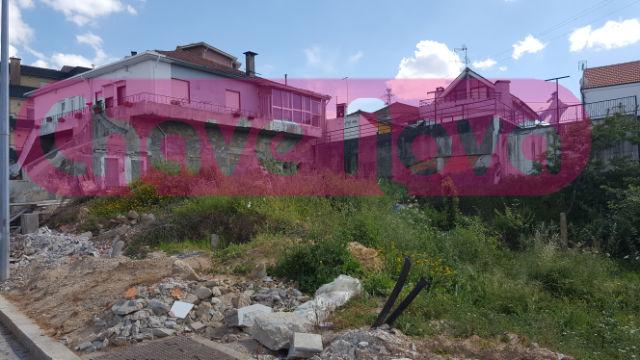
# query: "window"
[[232, 99], [295, 107], [108, 102]]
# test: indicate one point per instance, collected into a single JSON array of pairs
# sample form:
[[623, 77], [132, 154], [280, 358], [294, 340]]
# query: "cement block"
[[304, 345], [29, 223], [245, 316]]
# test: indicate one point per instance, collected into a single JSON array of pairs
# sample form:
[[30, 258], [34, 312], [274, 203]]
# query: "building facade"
[[161, 103]]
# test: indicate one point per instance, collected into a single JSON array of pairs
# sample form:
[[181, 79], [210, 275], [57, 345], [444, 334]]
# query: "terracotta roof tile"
[[616, 74]]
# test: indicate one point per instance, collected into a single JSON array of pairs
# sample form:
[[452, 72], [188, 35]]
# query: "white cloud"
[[91, 39], [40, 63], [12, 51], [355, 58], [320, 59], [529, 45], [484, 64], [84, 11], [131, 10], [613, 34], [431, 59], [59, 60], [503, 68], [21, 33]]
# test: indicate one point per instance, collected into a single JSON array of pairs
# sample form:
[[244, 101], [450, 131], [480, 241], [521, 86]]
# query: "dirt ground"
[[65, 298]]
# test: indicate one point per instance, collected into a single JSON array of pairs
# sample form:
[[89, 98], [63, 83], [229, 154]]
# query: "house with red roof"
[[613, 89]]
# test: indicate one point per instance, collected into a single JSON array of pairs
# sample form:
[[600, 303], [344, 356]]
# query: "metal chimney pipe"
[[250, 63]]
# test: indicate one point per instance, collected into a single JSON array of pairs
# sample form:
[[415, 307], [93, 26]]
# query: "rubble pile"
[[148, 312], [271, 312], [51, 247]]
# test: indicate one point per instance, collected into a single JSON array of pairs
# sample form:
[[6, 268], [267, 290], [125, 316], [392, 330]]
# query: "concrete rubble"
[[51, 247], [330, 297], [304, 345]]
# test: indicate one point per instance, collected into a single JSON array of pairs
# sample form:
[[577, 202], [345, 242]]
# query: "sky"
[[338, 38]]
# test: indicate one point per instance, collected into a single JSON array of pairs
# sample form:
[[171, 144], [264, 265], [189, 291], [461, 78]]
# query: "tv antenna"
[[465, 50], [388, 96]]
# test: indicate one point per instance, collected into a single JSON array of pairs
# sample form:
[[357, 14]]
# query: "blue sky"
[[333, 39]]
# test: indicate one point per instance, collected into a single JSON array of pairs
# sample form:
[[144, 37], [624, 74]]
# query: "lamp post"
[[4, 144]]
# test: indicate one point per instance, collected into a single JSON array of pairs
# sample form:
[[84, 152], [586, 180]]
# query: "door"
[[180, 90], [112, 173]]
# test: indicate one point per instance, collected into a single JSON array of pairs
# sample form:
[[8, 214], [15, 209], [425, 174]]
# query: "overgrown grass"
[[581, 303]]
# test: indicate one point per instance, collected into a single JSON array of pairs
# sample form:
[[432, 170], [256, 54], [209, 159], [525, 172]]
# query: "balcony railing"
[[186, 103]]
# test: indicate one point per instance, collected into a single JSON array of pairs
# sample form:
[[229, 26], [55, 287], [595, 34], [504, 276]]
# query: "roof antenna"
[[466, 54], [582, 64]]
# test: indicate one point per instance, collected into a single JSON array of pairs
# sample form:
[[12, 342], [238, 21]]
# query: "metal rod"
[[407, 301], [394, 294], [4, 144]]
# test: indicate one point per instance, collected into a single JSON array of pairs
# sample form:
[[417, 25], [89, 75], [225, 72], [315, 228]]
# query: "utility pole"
[[557, 95], [4, 144]]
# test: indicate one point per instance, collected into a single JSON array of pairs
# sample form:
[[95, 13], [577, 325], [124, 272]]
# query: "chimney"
[[250, 63], [14, 71], [134, 53]]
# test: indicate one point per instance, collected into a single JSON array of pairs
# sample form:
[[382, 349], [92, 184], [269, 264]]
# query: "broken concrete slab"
[[162, 332], [197, 326], [330, 297], [126, 307], [274, 330], [304, 345], [180, 309], [245, 316]]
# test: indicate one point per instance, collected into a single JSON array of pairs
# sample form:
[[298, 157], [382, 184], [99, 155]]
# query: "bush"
[[314, 264]]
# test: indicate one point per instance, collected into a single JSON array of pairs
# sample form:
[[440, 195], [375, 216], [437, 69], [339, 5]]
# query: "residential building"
[[166, 94], [608, 90], [22, 79]]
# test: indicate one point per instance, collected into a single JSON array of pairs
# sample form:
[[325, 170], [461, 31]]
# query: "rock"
[[215, 291], [148, 219], [121, 219], [245, 316], [86, 347], [117, 247], [215, 241], [162, 332], [304, 345], [176, 293], [203, 293], [197, 326], [184, 270], [133, 215], [154, 322], [171, 324], [330, 297], [191, 299], [158, 307], [242, 300], [126, 307], [140, 315], [130, 293], [274, 330], [260, 271]]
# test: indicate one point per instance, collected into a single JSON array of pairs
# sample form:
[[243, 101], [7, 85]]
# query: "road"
[[10, 349]]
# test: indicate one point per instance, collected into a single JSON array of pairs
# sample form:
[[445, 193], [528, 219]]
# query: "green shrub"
[[314, 264]]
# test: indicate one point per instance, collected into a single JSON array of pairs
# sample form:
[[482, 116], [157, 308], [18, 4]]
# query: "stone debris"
[[51, 247], [245, 316], [274, 330], [305, 345], [329, 297]]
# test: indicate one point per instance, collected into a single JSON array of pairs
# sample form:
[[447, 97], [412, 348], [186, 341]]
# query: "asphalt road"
[[10, 349]]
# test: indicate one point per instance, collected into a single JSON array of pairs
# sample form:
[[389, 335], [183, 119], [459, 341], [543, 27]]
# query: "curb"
[[29, 335]]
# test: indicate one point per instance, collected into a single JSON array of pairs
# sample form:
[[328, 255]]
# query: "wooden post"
[[564, 241]]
